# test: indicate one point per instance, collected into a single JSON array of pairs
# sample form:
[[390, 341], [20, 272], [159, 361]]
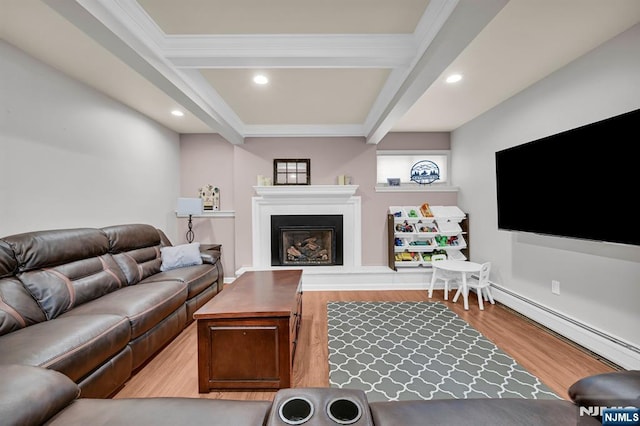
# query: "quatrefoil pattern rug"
[[419, 350]]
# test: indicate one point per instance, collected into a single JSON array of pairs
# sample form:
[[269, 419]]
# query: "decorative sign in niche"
[[425, 172]]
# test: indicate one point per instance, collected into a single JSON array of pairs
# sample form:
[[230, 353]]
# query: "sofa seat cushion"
[[197, 277], [74, 346], [145, 305], [479, 412], [163, 411], [32, 395]]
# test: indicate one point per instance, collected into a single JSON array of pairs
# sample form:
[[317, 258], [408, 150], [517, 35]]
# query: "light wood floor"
[[558, 364]]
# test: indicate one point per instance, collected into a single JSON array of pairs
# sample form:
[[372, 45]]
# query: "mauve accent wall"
[[210, 159]]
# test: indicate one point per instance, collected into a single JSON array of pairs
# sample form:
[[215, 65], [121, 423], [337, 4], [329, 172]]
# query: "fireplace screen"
[[307, 247], [306, 240]]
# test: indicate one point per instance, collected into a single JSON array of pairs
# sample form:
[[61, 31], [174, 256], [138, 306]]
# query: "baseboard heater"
[[627, 360]]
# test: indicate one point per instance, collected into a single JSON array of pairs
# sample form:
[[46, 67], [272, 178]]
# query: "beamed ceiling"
[[335, 67]]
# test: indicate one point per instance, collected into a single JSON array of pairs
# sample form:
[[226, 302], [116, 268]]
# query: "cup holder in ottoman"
[[344, 411], [296, 410], [320, 407]]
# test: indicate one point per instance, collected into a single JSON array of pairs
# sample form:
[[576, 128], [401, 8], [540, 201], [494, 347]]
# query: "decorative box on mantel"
[[307, 200]]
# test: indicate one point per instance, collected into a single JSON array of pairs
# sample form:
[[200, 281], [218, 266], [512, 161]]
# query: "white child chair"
[[441, 275], [482, 286]]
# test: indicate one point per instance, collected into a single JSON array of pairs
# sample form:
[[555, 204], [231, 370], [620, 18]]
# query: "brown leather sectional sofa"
[[34, 396], [81, 309], [93, 304]]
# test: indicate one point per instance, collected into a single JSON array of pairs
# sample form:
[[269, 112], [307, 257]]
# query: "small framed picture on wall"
[[288, 171]]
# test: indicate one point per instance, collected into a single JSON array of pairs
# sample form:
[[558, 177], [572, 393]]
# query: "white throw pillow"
[[179, 256]]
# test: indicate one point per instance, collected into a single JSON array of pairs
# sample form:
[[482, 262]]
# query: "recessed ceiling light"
[[177, 113], [454, 78], [260, 79]]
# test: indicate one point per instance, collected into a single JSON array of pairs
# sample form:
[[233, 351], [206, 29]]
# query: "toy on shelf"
[[444, 240], [420, 243], [426, 227], [404, 227], [407, 256], [425, 210]]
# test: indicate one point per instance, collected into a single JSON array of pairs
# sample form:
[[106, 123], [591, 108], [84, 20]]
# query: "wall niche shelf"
[[416, 188], [211, 214]]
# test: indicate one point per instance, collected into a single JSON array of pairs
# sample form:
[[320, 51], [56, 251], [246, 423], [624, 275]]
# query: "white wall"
[[72, 157], [600, 282]]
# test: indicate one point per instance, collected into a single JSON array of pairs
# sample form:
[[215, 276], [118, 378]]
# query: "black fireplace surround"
[[299, 224]]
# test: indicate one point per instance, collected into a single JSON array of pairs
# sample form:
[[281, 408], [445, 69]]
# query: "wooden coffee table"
[[247, 333]]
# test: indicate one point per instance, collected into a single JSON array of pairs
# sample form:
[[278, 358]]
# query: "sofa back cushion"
[[65, 268], [136, 250], [17, 308], [42, 249], [8, 263]]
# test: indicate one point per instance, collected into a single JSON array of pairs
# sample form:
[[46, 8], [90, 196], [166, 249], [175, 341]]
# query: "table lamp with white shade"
[[189, 206]]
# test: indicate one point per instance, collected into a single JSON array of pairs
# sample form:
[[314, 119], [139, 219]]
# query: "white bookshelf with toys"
[[416, 233]]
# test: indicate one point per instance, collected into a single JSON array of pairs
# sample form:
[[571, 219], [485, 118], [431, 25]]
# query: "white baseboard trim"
[[610, 347], [319, 278]]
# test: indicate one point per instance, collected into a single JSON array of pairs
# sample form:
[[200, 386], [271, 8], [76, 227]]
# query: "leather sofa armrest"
[[617, 389], [32, 395], [209, 258], [210, 253]]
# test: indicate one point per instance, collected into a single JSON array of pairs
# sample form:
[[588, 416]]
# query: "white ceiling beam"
[[303, 50], [431, 22], [108, 29], [463, 24], [292, 130], [171, 62]]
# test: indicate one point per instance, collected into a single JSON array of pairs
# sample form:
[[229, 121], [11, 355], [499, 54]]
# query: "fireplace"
[[307, 200], [306, 240]]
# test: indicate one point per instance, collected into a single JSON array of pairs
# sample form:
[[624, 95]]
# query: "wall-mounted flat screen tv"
[[582, 183]]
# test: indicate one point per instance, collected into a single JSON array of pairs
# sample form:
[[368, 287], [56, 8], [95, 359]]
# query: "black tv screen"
[[582, 183]]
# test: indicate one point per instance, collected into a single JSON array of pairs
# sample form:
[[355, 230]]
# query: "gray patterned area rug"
[[419, 350]]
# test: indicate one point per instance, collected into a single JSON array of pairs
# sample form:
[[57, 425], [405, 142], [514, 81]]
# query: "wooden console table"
[[247, 334]]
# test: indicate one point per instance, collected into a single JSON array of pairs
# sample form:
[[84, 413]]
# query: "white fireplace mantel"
[[307, 200], [306, 191]]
